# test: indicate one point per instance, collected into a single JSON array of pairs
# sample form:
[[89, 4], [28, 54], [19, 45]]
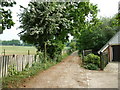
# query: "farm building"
[[112, 48]]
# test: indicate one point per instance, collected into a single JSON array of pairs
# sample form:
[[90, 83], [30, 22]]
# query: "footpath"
[[69, 74]]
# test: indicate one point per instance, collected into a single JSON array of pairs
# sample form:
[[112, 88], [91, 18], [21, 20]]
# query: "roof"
[[115, 40]]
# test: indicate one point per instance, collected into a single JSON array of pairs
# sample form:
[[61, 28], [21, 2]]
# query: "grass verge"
[[16, 80]]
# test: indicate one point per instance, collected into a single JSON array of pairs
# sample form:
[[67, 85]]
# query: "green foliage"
[[15, 42], [11, 42], [16, 79], [41, 57], [8, 3], [95, 36], [27, 65], [72, 45], [12, 70], [69, 51], [92, 62], [45, 23], [91, 66], [5, 15], [81, 13], [91, 58], [51, 22]]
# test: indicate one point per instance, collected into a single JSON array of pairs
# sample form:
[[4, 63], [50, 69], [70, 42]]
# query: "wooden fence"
[[19, 62], [85, 53], [103, 60]]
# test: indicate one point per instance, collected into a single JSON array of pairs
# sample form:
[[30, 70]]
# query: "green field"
[[19, 50]]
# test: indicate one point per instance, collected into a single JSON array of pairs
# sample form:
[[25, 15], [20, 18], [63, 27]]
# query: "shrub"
[[91, 66], [91, 58], [92, 62]]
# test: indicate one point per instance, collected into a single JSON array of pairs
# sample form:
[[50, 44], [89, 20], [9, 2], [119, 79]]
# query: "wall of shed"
[[110, 53]]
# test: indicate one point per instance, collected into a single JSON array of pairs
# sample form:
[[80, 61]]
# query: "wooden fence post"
[[0, 73], [83, 53], [28, 58], [45, 52], [28, 52], [1, 67], [17, 62], [4, 52], [5, 65], [22, 62], [101, 61]]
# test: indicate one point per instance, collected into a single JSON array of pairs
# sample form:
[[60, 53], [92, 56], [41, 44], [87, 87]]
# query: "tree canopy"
[[96, 36], [5, 15], [51, 22]]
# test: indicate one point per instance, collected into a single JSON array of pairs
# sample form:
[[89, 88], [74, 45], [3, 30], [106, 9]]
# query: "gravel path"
[[69, 74]]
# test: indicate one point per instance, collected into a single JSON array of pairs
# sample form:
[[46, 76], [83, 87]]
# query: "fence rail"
[[19, 62]]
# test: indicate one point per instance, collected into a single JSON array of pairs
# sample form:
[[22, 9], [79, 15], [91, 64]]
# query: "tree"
[[72, 45], [49, 23], [5, 15], [44, 24], [95, 36], [80, 13]]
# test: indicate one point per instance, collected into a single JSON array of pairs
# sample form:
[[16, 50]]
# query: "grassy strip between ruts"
[[16, 80]]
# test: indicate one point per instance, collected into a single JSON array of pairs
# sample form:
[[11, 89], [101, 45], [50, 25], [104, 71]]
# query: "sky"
[[108, 8]]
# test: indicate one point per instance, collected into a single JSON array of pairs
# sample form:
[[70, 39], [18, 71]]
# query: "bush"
[[92, 62], [91, 66], [91, 58]]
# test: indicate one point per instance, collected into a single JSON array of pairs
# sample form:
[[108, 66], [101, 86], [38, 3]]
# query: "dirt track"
[[69, 74]]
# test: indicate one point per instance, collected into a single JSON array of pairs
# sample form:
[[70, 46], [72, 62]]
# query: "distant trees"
[[5, 15], [11, 42], [14, 42]]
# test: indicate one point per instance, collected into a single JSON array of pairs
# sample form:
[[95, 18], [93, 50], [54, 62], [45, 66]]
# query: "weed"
[[12, 70]]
